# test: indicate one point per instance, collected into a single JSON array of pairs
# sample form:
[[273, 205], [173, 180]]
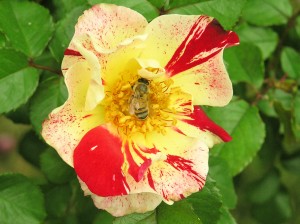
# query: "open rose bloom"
[[131, 127]]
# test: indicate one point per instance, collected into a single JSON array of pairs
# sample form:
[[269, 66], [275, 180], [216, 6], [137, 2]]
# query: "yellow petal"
[[150, 69], [166, 33], [207, 137], [126, 204], [208, 83], [110, 24], [95, 92], [69, 123], [185, 167], [104, 29]]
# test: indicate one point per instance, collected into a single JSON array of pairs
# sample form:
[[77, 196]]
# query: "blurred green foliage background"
[[253, 179]]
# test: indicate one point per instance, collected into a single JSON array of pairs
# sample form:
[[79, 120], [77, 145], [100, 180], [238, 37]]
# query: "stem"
[[45, 68], [264, 91], [274, 61], [290, 24]]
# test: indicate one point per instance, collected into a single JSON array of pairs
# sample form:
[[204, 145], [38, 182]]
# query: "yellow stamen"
[[165, 104]]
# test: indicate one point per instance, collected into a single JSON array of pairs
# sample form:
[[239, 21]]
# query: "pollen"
[[165, 104]]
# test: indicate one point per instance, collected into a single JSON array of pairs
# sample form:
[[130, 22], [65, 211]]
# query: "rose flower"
[[132, 127]]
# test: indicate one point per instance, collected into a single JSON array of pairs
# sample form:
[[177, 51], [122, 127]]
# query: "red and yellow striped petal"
[[126, 204], [67, 124], [108, 166], [110, 25], [105, 27], [205, 39], [107, 31], [200, 126], [165, 34], [98, 161], [190, 48], [183, 167], [208, 83]]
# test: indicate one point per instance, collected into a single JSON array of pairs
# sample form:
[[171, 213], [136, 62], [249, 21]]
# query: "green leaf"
[[180, 3], [296, 115], [220, 172], [51, 65], [27, 25], [56, 170], [266, 106], [297, 26], [244, 124], [265, 188], [17, 81], [57, 200], [207, 202], [226, 217], [264, 38], [226, 12], [64, 32], [292, 164], [50, 94], [282, 97], [142, 6], [290, 143], [103, 217], [20, 115], [276, 211], [267, 12], [20, 200], [245, 64], [159, 4], [137, 218], [2, 40], [31, 148], [290, 62], [179, 212], [64, 7]]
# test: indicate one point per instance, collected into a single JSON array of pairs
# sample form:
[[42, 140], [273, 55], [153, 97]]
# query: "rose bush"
[[128, 164]]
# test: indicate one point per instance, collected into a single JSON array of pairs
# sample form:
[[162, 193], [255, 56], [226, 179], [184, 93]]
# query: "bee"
[[138, 102]]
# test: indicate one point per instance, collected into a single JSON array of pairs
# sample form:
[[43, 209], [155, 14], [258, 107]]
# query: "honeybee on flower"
[[131, 126], [138, 104]]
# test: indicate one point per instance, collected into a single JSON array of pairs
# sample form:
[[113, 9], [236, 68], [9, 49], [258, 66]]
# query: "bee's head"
[[143, 80]]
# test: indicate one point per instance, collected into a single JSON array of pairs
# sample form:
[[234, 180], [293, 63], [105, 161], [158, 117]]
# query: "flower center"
[[141, 105]]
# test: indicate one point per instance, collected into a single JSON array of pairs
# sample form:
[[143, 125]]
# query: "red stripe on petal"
[[183, 164], [86, 116], [150, 151], [98, 160], [180, 163], [203, 122], [72, 52], [150, 179], [135, 170], [178, 130], [202, 43]]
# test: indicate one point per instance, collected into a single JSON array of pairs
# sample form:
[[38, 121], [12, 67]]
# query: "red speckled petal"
[[208, 83], [126, 204], [67, 124], [110, 24], [165, 34], [181, 168], [205, 39], [98, 161], [192, 46], [138, 164], [199, 123], [106, 26]]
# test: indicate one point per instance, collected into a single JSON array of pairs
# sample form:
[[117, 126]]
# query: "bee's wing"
[[131, 105]]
